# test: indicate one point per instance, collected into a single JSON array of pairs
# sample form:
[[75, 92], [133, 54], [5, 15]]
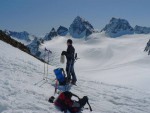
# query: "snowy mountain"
[[62, 31], [50, 35], [141, 30], [80, 28], [117, 27], [34, 47], [23, 37]]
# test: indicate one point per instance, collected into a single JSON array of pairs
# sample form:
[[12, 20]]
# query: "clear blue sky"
[[39, 16]]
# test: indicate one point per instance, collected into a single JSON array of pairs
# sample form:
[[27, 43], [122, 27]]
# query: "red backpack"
[[63, 102]]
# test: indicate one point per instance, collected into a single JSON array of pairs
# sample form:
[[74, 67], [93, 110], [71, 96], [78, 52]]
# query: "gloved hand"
[[63, 53]]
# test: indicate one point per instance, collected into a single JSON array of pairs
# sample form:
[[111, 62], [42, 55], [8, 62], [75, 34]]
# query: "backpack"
[[63, 102], [60, 76]]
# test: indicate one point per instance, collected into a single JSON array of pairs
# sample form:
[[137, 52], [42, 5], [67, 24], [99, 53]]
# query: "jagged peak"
[[80, 28], [61, 27], [79, 18], [116, 20], [53, 30]]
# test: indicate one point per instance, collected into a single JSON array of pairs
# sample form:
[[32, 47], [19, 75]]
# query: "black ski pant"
[[70, 71]]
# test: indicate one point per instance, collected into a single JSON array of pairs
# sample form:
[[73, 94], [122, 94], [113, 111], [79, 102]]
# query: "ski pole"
[[44, 64], [56, 87], [47, 67]]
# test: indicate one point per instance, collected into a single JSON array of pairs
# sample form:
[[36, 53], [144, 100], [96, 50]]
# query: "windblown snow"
[[113, 73]]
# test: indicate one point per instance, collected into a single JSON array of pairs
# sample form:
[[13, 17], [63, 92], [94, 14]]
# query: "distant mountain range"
[[23, 37], [79, 28], [118, 27]]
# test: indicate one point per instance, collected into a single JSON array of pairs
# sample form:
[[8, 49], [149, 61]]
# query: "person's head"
[[69, 42]]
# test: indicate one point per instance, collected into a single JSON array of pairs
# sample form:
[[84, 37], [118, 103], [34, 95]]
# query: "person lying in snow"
[[147, 48], [64, 102]]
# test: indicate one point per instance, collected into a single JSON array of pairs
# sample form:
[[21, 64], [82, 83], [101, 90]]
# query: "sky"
[[39, 16]]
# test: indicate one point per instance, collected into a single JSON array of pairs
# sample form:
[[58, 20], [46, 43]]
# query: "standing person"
[[70, 55]]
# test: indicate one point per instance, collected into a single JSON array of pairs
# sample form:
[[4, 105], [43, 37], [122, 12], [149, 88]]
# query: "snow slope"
[[113, 73], [118, 61], [18, 73]]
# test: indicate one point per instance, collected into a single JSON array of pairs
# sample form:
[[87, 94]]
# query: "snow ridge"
[[141, 30]]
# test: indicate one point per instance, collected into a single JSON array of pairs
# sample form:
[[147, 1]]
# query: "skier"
[[65, 103], [70, 55]]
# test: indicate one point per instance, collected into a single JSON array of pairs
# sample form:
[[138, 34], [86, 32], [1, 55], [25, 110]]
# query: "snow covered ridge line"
[[13, 42], [81, 28], [19, 35], [16, 44], [118, 27], [141, 30], [23, 37]]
